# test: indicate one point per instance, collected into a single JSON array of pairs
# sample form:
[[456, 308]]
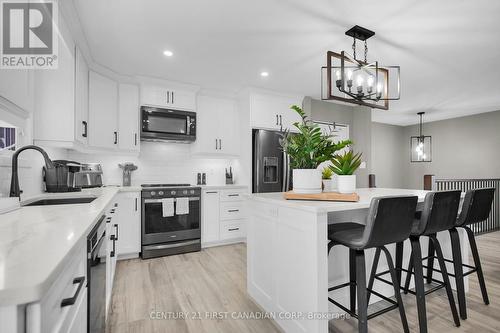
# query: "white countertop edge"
[[34, 292], [333, 206]]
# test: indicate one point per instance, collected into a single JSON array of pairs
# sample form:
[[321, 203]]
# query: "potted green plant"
[[328, 182], [307, 149], [344, 165]]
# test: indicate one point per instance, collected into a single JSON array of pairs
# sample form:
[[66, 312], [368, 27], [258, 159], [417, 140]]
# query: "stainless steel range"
[[171, 216]]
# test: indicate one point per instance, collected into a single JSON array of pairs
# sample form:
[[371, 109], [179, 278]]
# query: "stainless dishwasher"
[[96, 278]]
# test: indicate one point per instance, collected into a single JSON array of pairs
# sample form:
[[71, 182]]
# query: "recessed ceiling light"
[[264, 74], [168, 53]]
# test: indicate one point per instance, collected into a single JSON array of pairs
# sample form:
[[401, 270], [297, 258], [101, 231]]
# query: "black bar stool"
[[439, 214], [476, 208], [385, 213]]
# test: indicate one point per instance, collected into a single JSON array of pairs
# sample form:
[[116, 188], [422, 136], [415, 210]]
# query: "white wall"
[[161, 163], [465, 147], [389, 148]]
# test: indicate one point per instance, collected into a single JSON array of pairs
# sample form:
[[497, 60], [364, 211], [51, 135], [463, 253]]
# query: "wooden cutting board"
[[324, 196]]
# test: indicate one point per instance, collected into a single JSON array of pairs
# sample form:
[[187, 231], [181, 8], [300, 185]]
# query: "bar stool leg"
[[362, 293], [376, 259], [408, 274], [446, 279], [397, 291], [459, 277], [352, 279], [430, 261], [477, 263], [419, 283], [399, 261]]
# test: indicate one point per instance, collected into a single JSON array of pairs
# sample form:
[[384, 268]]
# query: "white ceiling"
[[448, 50]]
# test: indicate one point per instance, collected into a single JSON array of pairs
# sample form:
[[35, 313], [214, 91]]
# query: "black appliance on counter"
[[167, 125], [161, 236], [96, 278], [62, 178], [271, 166]]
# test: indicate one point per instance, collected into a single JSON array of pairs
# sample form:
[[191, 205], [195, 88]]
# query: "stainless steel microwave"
[[167, 125]]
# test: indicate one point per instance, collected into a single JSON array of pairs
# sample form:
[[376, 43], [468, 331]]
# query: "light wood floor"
[[214, 280]]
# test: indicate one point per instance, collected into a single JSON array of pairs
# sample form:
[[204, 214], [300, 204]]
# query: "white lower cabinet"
[[64, 307], [128, 219], [223, 216]]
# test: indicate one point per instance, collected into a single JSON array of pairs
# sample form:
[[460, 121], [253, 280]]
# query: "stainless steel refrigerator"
[[271, 171]]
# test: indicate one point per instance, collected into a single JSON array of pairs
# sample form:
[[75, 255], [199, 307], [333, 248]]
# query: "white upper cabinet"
[[165, 97], [216, 129], [103, 111], [128, 117], [272, 111], [81, 98], [15, 86], [54, 91]]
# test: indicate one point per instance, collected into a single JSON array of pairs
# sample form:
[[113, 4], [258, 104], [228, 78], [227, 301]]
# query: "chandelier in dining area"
[[352, 80]]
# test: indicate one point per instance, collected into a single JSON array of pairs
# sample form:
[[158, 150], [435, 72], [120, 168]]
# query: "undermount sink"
[[61, 201]]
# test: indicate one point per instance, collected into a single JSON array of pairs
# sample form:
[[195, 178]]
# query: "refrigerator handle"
[[257, 162], [284, 186]]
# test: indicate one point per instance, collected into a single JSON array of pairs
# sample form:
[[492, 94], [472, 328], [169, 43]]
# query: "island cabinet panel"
[[286, 264]]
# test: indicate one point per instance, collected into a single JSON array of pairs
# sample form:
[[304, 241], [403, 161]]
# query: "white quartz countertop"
[[222, 187], [365, 197], [35, 242]]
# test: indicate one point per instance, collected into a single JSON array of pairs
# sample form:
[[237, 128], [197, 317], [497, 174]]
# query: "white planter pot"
[[306, 181], [329, 185], [346, 184]]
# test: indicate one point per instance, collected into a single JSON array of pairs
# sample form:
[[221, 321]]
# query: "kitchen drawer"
[[49, 315], [232, 195], [232, 229], [231, 210]]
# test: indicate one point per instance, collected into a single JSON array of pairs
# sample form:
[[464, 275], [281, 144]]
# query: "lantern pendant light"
[[421, 145]]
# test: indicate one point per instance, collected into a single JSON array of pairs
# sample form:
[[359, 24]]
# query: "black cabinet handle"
[[233, 229], [85, 127], [116, 204], [70, 301], [211, 192], [116, 235], [116, 137], [135, 139], [233, 210], [136, 204], [277, 120], [173, 97], [168, 97], [233, 195], [220, 144], [113, 238], [216, 144], [281, 124]]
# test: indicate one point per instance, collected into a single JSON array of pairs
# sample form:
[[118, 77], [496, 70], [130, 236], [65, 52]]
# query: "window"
[[7, 138]]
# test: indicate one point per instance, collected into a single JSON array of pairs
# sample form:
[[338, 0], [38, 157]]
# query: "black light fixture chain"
[[366, 51], [354, 47]]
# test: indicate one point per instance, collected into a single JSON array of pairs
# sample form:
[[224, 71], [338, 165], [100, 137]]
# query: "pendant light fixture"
[[349, 79], [421, 145]]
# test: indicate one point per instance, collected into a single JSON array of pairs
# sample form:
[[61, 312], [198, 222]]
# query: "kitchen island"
[[288, 270]]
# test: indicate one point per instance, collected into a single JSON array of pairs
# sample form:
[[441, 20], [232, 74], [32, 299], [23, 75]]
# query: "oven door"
[[159, 229], [164, 124]]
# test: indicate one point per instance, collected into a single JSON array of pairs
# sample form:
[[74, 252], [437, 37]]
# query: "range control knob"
[[153, 193], [184, 192], [160, 193], [192, 191], [172, 192]]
